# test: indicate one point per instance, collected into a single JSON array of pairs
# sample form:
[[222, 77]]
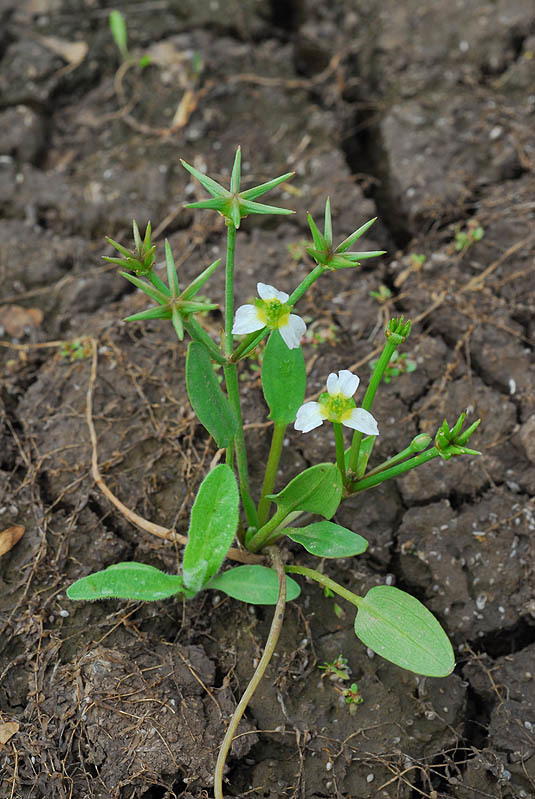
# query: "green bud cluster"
[[397, 331], [141, 259], [451, 442], [332, 258]]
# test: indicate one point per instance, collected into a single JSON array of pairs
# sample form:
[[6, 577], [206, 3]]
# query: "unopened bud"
[[420, 442]]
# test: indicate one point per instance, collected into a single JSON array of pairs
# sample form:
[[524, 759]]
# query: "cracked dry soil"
[[417, 113]]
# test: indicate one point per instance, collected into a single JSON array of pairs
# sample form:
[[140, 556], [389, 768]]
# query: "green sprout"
[[417, 260], [382, 295], [337, 670], [399, 364], [464, 239], [120, 37], [352, 695], [76, 350]]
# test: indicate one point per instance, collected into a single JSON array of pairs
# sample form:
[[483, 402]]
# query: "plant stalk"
[[231, 380], [326, 582], [339, 444], [393, 461], [389, 349], [378, 478], [197, 333], [271, 643], [279, 429]]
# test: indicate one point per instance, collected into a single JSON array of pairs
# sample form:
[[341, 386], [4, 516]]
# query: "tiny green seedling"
[[400, 364], [76, 350], [387, 620], [352, 696], [382, 294], [337, 670], [464, 239], [120, 37]]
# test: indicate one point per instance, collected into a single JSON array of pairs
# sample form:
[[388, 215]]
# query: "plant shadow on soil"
[[421, 117]]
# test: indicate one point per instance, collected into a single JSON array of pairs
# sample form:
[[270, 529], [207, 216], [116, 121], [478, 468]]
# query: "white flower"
[[337, 405], [272, 311]]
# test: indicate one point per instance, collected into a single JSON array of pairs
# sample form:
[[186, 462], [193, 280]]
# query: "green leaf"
[[129, 580], [283, 379], [206, 397], [317, 490], [118, 31], [399, 628], [256, 585], [328, 540], [211, 186], [366, 446], [346, 244], [213, 524], [257, 191]]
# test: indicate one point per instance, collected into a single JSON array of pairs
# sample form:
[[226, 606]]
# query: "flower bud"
[[420, 442]]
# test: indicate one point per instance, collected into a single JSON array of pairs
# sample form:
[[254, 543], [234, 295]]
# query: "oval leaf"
[[256, 585], [317, 490], [213, 524], [399, 628], [129, 580], [283, 379], [328, 540], [207, 399]]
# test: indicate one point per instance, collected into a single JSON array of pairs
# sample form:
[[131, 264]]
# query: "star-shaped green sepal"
[[141, 259], [234, 204], [323, 252], [451, 442], [172, 303]]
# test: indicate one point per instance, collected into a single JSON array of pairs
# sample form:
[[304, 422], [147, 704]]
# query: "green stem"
[[249, 343], [271, 643], [279, 429], [259, 540], [395, 459], [339, 443], [229, 288], [198, 334], [369, 482], [389, 349], [231, 381], [326, 582], [305, 284]]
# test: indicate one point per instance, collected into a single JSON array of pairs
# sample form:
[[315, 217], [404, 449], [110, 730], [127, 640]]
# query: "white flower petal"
[[363, 421], [308, 417], [293, 331], [246, 320], [333, 384], [348, 382], [266, 292]]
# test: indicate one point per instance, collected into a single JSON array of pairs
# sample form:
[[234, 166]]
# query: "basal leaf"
[[213, 524], [256, 585], [129, 580], [399, 628], [207, 399], [328, 540], [283, 379], [317, 490]]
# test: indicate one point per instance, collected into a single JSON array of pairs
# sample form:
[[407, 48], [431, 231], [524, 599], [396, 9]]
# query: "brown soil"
[[420, 114]]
